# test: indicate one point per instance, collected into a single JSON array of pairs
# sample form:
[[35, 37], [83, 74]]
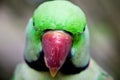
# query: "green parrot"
[[57, 45]]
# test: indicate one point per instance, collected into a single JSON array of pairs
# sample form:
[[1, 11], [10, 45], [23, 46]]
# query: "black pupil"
[[83, 29]]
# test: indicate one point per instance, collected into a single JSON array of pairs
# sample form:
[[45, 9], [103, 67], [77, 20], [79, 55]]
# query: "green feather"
[[80, 49], [55, 15], [33, 43], [59, 15]]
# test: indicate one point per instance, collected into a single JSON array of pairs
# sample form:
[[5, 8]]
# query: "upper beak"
[[56, 46]]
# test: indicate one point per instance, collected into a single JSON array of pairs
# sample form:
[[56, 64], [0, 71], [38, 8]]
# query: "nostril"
[[68, 33]]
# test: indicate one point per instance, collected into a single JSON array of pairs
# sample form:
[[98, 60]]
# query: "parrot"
[[57, 45]]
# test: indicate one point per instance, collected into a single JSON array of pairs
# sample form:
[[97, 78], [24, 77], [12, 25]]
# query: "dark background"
[[103, 18]]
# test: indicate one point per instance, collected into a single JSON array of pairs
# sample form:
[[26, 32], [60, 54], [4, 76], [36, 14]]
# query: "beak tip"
[[53, 72]]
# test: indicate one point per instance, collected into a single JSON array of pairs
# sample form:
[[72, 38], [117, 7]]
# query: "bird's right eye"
[[84, 29]]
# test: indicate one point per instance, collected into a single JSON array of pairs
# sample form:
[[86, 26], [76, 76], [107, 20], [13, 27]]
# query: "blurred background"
[[103, 17]]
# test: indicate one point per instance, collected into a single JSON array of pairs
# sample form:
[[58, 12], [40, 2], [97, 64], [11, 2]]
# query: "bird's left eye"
[[33, 23]]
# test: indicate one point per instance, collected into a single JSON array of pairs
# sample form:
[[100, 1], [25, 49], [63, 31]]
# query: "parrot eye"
[[33, 23], [35, 28], [83, 29]]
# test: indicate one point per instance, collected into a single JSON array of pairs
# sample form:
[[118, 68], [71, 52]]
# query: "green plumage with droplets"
[[65, 16]]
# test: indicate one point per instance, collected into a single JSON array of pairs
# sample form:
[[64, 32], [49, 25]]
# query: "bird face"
[[57, 39], [56, 46]]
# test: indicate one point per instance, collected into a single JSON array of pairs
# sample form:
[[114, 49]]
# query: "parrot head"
[[56, 38]]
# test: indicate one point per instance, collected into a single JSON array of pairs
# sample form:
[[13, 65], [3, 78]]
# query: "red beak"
[[56, 46]]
